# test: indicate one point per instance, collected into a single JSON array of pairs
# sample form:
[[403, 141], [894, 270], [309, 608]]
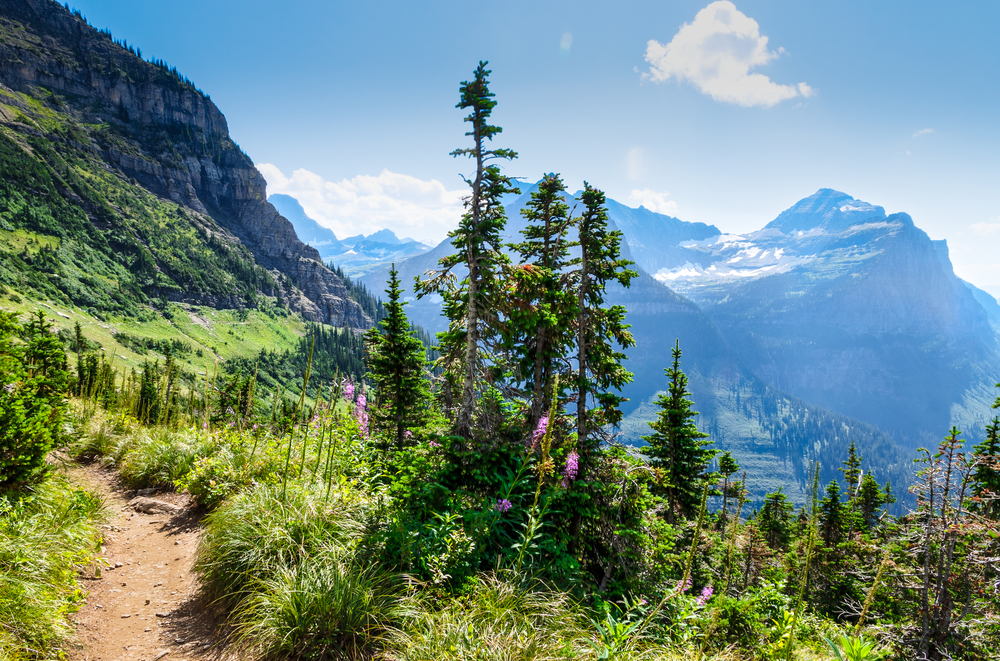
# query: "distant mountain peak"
[[384, 236], [828, 209]]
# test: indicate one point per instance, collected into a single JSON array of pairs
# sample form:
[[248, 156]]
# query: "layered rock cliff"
[[155, 129]]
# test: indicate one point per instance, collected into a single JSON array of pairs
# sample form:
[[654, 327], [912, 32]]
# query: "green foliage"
[[498, 620], [599, 327], [986, 487], [471, 305], [855, 649], [541, 304], [333, 607], [44, 537], [676, 446], [33, 387], [397, 368]]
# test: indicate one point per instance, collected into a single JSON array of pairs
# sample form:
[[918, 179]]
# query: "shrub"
[[33, 385]]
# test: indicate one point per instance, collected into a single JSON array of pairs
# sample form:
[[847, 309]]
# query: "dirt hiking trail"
[[145, 606]]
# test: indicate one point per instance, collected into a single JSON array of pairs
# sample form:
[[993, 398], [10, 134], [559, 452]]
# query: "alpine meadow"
[[246, 416]]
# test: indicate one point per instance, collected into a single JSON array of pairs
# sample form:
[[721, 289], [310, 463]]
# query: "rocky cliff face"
[[163, 133], [852, 309]]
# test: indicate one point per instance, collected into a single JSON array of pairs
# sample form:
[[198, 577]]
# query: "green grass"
[[44, 538]]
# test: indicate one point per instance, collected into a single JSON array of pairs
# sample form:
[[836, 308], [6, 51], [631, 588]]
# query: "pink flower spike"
[[536, 436], [572, 468]]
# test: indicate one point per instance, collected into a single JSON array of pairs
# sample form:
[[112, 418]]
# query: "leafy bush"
[[33, 384]]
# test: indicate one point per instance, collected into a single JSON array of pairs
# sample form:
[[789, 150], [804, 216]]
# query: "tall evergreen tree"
[[677, 447], [775, 519], [727, 466], [986, 487], [396, 367], [832, 515], [852, 470], [471, 304], [852, 476], [599, 327], [870, 499], [540, 326]]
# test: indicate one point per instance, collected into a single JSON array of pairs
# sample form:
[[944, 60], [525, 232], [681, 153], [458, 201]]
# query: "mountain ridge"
[[75, 101]]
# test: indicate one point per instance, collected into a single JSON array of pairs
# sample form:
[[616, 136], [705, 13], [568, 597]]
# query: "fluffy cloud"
[[715, 53], [653, 201], [986, 229], [921, 132], [423, 210]]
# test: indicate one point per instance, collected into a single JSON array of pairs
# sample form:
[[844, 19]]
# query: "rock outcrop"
[[168, 136]]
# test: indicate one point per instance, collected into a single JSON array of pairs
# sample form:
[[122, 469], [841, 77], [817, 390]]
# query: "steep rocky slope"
[[136, 184], [851, 309]]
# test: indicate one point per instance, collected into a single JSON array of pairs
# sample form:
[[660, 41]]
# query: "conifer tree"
[[870, 499], [986, 486], [540, 328], [727, 466], [832, 515], [775, 519], [677, 447], [471, 304], [396, 367], [598, 327], [852, 475], [852, 470]]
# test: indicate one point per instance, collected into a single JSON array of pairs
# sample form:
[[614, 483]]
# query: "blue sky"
[[350, 106]]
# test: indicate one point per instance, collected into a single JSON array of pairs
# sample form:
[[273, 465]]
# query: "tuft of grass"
[[45, 535], [159, 457], [332, 607], [498, 621], [256, 534]]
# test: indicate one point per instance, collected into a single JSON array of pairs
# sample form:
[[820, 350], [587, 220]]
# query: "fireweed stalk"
[[545, 469]]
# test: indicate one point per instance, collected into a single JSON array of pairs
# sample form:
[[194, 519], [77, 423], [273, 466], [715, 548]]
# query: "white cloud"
[[986, 229], [715, 53], [922, 132], [653, 201], [423, 210]]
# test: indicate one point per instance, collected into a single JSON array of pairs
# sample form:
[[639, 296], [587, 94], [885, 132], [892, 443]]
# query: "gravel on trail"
[[144, 604]]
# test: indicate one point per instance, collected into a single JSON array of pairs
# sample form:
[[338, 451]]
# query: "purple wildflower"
[[434, 444], [349, 391], [685, 586], [503, 505], [407, 434], [536, 436], [361, 413], [572, 468], [204, 425], [706, 594]]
